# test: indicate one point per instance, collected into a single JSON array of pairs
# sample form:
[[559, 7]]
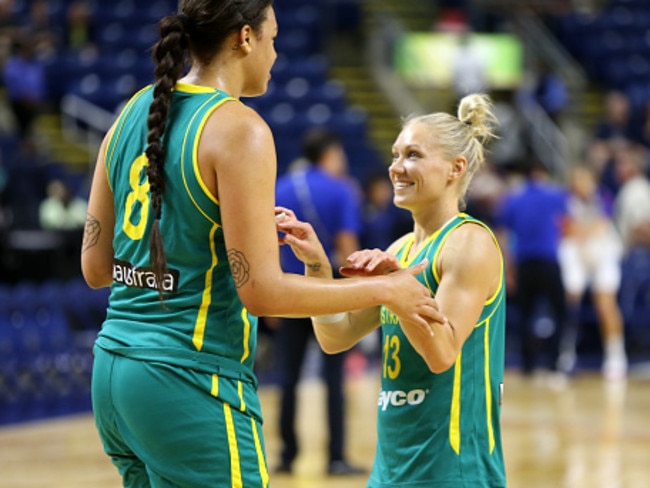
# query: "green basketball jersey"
[[441, 430], [202, 324]]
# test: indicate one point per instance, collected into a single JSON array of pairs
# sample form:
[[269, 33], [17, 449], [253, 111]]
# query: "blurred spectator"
[[618, 122], [44, 37], [80, 29], [320, 193], [529, 223], [24, 77], [632, 210], [633, 199], [382, 221], [61, 210], [615, 130], [590, 259], [551, 93], [9, 28]]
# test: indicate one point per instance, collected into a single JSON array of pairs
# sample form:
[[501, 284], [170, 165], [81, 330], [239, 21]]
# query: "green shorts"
[[165, 426]]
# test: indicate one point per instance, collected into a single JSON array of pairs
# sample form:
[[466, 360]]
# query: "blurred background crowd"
[[566, 188]]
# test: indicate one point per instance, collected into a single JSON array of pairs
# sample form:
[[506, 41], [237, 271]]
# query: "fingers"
[[294, 227], [351, 272], [284, 210], [372, 262], [418, 268]]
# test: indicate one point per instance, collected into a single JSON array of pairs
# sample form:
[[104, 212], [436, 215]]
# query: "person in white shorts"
[[590, 259]]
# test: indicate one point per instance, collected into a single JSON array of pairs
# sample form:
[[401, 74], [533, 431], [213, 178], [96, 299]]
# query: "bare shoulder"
[[237, 124], [471, 245], [235, 130]]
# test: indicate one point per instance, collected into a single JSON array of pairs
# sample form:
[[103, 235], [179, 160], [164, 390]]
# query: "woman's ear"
[[458, 168], [244, 37]]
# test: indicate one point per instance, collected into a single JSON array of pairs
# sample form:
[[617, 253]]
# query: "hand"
[[300, 236], [412, 301], [370, 262]]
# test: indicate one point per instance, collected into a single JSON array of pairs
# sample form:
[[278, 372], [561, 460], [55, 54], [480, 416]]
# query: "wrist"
[[318, 269]]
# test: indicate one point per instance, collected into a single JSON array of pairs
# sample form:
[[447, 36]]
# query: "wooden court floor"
[[587, 434]]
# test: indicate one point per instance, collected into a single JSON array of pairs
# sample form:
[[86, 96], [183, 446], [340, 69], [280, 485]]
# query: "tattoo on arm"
[[314, 266], [92, 230], [239, 267]]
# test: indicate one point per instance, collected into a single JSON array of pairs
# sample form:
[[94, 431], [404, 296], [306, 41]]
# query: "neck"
[[429, 221], [216, 75]]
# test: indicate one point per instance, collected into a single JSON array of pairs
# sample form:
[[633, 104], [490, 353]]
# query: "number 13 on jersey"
[[391, 362]]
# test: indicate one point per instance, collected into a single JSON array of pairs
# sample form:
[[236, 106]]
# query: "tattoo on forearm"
[[314, 266], [239, 267], [92, 230]]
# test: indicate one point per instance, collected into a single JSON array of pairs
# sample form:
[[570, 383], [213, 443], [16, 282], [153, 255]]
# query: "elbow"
[[259, 303], [95, 279], [332, 348], [331, 343], [96, 282], [258, 309], [440, 363]]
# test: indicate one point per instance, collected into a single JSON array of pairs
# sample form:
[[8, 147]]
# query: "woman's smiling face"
[[419, 170]]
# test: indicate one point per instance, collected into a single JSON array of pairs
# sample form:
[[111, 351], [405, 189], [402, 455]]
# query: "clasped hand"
[[419, 308]]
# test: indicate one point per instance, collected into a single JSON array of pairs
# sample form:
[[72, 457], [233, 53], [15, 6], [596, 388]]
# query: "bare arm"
[[342, 331], [470, 273], [97, 246], [240, 146]]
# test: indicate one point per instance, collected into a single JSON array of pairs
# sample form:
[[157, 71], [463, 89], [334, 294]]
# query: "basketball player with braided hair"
[[438, 416], [181, 225]]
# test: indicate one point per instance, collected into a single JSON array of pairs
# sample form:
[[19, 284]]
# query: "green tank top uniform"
[[202, 324], [441, 430], [180, 369]]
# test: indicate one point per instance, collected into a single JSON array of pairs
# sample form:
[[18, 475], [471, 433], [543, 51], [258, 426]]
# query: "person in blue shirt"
[[319, 191], [531, 219], [24, 78]]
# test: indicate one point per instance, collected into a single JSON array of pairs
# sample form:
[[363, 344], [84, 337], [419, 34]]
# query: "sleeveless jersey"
[[441, 430], [201, 324]]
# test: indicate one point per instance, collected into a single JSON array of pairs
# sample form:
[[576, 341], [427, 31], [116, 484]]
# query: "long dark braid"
[[169, 56], [200, 28]]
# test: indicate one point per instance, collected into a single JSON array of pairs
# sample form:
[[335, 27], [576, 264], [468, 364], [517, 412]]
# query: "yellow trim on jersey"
[[501, 267], [206, 299], [214, 391], [235, 465], [491, 313], [454, 415], [488, 386], [408, 243], [190, 88], [247, 334], [194, 162], [264, 473], [195, 150], [117, 133], [240, 392]]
